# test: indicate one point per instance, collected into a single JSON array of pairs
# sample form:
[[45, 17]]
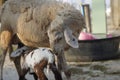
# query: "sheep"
[[40, 23], [37, 60]]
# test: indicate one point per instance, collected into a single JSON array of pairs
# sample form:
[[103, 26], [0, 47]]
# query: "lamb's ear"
[[18, 52], [70, 39]]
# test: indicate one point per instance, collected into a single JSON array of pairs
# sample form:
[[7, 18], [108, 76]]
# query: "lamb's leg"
[[34, 75], [62, 65], [23, 73], [5, 40], [39, 70], [55, 71]]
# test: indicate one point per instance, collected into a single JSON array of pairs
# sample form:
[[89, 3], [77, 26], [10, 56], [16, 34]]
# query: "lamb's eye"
[[58, 39], [73, 39]]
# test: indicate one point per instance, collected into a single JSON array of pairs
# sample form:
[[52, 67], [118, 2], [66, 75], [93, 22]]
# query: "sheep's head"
[[65, 29]]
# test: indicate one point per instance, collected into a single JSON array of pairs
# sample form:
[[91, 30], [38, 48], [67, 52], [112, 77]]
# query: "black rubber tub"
[[94, 50]]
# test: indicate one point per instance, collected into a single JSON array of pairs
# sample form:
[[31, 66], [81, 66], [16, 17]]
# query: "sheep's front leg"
[[62, 65], [55, 71]]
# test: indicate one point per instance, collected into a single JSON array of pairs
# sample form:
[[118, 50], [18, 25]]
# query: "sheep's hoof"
[[68, 74]]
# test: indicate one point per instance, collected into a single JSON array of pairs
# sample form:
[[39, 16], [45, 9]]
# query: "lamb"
[[40, 23], [37, 60]]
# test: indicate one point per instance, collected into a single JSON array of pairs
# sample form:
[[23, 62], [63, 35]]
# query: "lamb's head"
[[65, 29]]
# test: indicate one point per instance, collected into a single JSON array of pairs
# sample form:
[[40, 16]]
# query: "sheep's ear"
[[70, 39]]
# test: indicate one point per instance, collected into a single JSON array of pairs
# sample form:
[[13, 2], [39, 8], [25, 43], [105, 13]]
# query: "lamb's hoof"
[[22, 79]]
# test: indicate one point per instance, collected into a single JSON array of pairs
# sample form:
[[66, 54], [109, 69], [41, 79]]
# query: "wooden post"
[[115, 13], [86, 11]]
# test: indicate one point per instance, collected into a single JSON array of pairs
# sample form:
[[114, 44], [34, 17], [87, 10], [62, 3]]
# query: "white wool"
[[37, 55]]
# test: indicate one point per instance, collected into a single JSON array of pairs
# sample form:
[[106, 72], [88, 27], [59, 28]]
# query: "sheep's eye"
[[58, 36]]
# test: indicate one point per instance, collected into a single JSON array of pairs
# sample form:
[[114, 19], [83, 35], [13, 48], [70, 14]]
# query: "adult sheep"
[[40, 23]]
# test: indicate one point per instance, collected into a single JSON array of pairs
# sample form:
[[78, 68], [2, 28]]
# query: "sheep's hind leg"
[[5, 40], [18, 68], [2, 60], [62, 65], [17, 63]]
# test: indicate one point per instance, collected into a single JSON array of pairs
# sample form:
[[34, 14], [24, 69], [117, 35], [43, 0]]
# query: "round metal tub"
[[92, 50]]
